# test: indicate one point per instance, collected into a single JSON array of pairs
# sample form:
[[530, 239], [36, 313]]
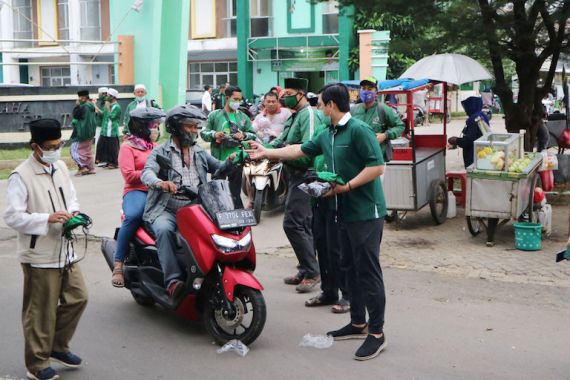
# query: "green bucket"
[[528, 236]]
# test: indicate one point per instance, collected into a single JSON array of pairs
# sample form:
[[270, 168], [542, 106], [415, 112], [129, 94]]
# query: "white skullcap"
[[102, 90], [140, 87], [114, 93]]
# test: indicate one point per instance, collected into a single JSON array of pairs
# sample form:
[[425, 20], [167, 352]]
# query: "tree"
[[506, 35]]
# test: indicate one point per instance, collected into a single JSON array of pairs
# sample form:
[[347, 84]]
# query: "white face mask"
[[51, 156]]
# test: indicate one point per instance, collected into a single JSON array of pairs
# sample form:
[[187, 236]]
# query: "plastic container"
[[528, 236], [496, 151], [451, 205]]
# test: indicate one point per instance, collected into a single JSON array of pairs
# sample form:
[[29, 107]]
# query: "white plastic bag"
[[234, 345], [317, 341]]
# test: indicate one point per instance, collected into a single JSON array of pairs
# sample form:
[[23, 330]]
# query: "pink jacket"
[[131, 162]]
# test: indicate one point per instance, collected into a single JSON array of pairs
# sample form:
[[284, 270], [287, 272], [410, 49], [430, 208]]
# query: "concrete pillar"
[[346, 39], [245, 67], [74, 21], [174, 52], [365, 49], [126, 73]]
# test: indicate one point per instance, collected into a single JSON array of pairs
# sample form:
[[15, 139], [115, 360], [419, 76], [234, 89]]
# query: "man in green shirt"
[[140, 101], [108, 145], [225, 130], [99, 107], [383, 120], [297, 222], [352, 152], [84, 125]]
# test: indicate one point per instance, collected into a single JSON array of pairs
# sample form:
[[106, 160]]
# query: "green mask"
[[291, 101], [327, 120], [140, 98]]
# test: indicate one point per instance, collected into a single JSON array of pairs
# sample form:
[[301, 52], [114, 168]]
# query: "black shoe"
[[176, 289], [349, 332], [68, 359], [371, 347], [43, 374]]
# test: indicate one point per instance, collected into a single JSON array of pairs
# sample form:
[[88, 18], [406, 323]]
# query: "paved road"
[[438, 327]]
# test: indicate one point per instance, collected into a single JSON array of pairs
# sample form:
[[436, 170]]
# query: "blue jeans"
[[133, 209], [164, 228]]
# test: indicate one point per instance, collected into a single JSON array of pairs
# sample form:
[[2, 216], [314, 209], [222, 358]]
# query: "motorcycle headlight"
[[227, 245]]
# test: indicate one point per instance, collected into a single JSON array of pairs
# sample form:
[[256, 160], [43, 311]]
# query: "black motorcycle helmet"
[[180, 114], [140, 119]]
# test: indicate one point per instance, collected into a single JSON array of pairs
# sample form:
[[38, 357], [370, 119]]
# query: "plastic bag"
[[317, 341], [315, 189], [236, 346], [549, 161]]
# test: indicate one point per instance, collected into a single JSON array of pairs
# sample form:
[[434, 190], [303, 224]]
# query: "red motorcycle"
[[215, 247]]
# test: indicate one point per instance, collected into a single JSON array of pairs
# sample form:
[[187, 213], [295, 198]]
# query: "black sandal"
[[318, 301], [341, 307]]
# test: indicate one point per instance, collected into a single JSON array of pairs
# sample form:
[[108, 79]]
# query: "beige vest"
[[46, 194]]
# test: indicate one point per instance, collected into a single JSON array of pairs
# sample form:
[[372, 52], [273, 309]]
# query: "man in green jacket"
[[84, 125], [351, 151], [383, 120], [140, 101], [297, 222], [225, 130], [99, 107], [108, 145]]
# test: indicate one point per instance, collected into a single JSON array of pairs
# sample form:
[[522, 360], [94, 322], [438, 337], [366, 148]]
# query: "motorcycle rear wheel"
[[248, 303]]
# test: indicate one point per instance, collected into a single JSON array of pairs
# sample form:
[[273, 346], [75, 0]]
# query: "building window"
[[231, 23], [22, 19], [90, 29], [54, 76], [260, 20], [63, 19], [212, 73], [330, 17]]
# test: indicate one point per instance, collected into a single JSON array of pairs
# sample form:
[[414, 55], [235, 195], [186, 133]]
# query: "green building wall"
[[160, 33]]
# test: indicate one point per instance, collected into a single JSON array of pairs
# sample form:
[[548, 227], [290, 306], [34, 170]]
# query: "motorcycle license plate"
[[235, 218]]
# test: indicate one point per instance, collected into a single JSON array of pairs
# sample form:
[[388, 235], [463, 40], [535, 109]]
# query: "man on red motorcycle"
[[190, 164]]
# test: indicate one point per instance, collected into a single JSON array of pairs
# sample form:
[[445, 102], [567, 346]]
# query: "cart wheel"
[[392, 216], [438, 201], [474, 225]]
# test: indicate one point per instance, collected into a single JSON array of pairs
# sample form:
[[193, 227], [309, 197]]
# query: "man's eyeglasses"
[[53, 147]]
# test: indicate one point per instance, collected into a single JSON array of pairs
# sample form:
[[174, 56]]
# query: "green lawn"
[[23, 153]]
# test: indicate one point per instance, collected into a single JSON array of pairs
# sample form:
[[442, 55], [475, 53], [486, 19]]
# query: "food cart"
[[500, 183], [415, 177]]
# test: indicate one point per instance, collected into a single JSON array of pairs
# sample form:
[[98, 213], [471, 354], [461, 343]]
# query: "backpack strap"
[[381, 115]]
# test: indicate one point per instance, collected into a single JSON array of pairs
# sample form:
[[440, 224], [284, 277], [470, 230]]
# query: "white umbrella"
[[451, 68]]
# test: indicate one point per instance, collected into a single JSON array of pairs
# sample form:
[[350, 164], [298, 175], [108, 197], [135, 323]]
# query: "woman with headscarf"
[[144, 131]]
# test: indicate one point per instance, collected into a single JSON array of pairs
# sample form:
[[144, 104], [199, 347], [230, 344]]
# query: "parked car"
[[194, 97]]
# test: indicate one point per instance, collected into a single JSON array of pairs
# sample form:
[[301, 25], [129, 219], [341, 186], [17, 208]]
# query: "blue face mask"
[[367, 96]]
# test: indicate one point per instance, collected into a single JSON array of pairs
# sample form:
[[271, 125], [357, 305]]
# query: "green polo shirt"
[[217, 122], [392, 125], [347, 150]]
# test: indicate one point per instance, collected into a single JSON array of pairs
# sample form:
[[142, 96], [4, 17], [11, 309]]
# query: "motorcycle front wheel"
[[258, 204], [246, 325]]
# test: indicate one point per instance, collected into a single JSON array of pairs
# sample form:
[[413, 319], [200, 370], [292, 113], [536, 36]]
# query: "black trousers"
[[360, 244], [327, 244], [297, 224], [235, 178]]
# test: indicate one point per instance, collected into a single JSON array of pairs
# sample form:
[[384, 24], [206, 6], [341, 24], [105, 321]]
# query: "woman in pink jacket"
[[143, 127]]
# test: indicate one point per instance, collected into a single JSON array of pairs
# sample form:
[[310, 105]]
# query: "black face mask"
[[188, 139]]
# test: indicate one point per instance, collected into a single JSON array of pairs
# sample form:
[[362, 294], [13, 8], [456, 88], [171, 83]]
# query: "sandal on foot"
[[118, 280], [318, 301], [341, 307]]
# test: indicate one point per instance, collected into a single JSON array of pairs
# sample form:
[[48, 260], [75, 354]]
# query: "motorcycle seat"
[[145, 234]]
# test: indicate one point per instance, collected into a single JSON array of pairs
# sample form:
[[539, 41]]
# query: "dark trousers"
[[327, 244], [297, 224], [360, 244], [235, 178]]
